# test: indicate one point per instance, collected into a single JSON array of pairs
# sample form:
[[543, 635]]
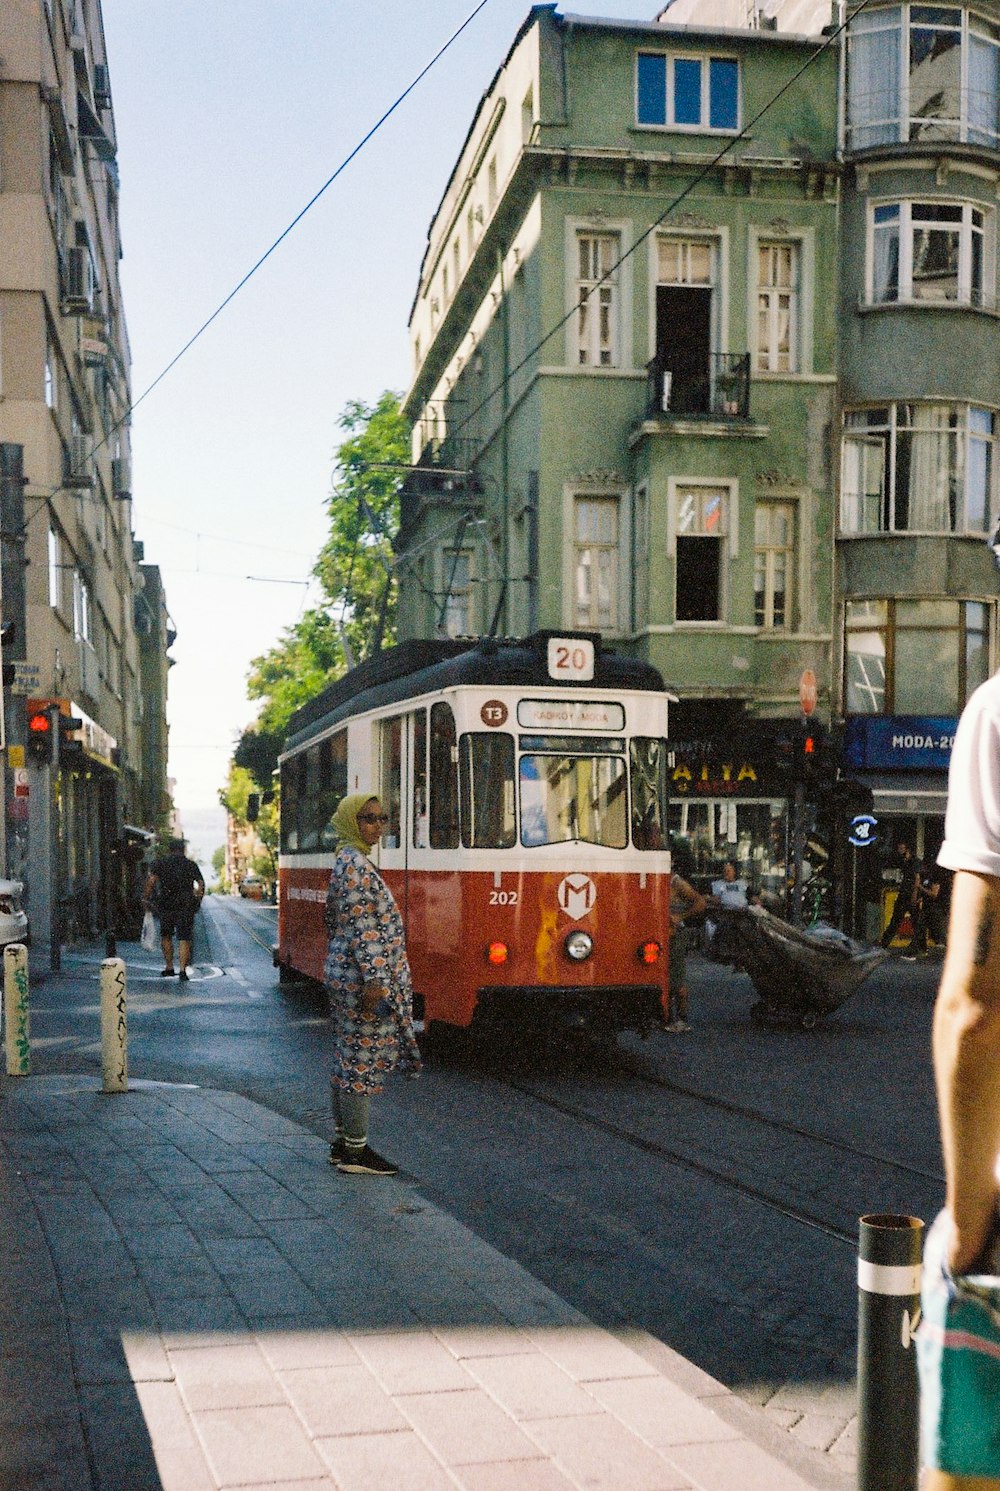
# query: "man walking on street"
[[959, 1340], [174, 892]]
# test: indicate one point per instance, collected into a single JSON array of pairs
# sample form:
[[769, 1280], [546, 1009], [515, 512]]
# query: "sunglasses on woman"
[[373, 817]]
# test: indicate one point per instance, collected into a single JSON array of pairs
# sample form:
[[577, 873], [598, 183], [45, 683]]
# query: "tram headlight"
[[579, 946], [650, 951], [496, 953]]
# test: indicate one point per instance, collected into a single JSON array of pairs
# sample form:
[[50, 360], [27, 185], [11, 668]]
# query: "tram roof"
[[426, 666]]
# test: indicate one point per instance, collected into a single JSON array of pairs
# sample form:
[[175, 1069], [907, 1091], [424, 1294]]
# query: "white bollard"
[[114, 1026], [15, 1009]]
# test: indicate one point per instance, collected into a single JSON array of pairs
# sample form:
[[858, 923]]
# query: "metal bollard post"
[[114, 1026], [889, 1267], [15, 1009]]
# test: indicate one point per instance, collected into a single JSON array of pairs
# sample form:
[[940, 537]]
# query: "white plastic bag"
[[148, 936]]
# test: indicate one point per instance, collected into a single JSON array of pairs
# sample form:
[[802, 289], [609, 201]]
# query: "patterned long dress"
[[367, 945]]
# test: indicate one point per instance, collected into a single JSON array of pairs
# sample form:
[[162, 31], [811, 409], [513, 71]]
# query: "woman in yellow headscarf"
[[368, 982]]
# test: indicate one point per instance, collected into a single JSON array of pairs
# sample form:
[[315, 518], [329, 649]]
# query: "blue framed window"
[[687, 92]]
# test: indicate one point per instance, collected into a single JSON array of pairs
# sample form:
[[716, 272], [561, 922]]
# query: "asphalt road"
[[703, 1186]]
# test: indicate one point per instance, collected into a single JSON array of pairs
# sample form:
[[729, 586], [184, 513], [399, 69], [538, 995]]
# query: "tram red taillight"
[[649, 952], [496, 953]]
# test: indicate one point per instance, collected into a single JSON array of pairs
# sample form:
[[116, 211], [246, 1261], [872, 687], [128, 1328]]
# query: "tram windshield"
[[579, 798]]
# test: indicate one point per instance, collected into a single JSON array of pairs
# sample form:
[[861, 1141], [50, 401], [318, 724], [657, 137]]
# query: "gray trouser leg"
[[354, 1108]]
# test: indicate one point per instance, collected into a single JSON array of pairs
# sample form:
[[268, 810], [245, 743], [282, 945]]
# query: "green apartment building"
[[624, 390]]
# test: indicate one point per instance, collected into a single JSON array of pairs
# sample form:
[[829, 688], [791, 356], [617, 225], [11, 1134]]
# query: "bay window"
[[927, 251], [922, 73], [914, 657], [918, 468]]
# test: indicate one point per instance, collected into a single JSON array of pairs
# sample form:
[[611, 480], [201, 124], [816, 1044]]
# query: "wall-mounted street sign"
[[864, 830], [27, 679]]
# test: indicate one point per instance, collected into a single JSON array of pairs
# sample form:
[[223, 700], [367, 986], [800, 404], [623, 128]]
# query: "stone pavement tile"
[[411, 1362], [100, 1356], [818, 1431], [263, 1198], [257, 1446], [179, 1457], [234, 1376], [180, 1278], [274, 1294], [27, 1461], [385, 1462], [340, 1400], [118, 1439], [481, 1340], [513, 1475], [735, 1463], [590, 1354], [148, 1238], [466, 1427], [599, 1453], [660, 1412], [532, 1387], [198, 1321], [306, 1348]]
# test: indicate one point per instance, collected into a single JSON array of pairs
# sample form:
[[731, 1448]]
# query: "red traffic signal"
[[40, 736]]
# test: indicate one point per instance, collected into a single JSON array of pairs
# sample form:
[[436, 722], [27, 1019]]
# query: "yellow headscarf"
[[345, 820]]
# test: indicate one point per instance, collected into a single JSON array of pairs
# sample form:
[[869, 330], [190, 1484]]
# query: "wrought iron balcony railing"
[[719, 390]]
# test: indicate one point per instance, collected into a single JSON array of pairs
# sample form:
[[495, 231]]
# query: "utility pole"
[[13, 829]]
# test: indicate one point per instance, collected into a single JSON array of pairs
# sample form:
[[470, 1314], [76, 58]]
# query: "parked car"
[[13, 921], [252, 888]]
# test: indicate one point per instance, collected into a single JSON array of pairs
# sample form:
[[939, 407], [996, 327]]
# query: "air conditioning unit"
[[121, 477], [79, 285], [79, 473], [102, 86]]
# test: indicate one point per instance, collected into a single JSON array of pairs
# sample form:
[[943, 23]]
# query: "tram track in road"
[[248, 926], [722, 1174]]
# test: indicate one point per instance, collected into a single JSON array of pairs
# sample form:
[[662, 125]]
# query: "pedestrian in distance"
[[904, 868], [368, 983], [931, 919], [685, 902], [174, 890], [958, 1344]]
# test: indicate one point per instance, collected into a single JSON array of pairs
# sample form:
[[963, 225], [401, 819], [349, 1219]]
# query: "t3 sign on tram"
[[525, 784]]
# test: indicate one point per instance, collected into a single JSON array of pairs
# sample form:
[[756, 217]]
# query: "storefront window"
[[706, 833]]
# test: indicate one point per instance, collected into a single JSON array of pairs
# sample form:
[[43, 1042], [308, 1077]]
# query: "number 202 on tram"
[[525, 787]]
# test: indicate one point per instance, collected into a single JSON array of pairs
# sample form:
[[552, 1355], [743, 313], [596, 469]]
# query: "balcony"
[[720, 389]]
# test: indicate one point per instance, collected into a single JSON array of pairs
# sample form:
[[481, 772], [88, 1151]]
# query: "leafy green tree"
[[354, 569]]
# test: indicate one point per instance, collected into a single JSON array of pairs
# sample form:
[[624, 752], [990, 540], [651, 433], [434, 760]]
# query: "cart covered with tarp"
[[800, 976]]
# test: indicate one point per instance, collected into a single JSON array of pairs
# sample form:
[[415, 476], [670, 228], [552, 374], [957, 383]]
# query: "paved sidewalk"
[[192, 1298]]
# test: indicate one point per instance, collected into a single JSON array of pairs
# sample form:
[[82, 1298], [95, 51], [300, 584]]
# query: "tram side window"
[[420, 779], [444, 778], [290, 773], [648, 764], [392, 779], [309, 802], [487, 786], [332, 784]]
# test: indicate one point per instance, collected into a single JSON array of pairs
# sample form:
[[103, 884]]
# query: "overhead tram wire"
[[43, 497], [672, 206]]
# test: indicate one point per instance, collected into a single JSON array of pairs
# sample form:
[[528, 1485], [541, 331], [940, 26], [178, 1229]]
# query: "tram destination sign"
[[570, 714]]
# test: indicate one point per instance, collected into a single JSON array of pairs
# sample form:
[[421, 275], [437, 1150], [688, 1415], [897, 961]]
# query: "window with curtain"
[[456, 566], [928, 251], [918, 468], [596, 563], [914, 657], [597, 296], [922, 72], [777, 307], [774, 553]]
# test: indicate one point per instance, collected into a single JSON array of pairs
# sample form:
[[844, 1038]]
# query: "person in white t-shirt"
[[959, 1340]]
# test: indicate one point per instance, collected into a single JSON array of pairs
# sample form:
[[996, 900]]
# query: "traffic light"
[[70, 744], [7, 635], [253, 807], [40, 736]]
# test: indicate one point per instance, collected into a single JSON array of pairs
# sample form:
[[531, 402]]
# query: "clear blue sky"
[[230, 115]]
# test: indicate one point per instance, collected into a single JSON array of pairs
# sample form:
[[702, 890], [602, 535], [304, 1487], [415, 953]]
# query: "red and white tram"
[[525, 784]]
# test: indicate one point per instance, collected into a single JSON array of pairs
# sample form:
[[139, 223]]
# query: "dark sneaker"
[[365, 1162], [336, 1151], [168, 973], [183, 976]]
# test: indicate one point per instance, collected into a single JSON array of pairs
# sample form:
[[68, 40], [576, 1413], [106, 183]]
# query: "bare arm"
[[695, 902], [967, 1062]]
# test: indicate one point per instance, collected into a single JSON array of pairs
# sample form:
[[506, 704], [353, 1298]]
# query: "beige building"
[[64, 401]]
